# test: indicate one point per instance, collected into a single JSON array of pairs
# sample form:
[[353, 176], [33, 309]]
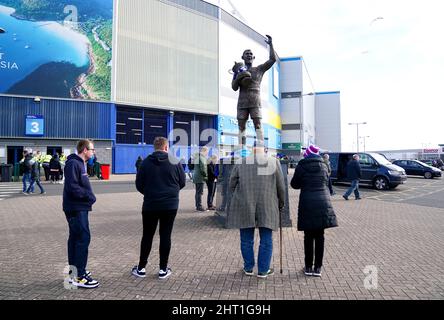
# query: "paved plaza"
[[384, 248]]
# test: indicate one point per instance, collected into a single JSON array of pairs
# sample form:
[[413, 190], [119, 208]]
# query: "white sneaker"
[[85, 282], [88, 274]]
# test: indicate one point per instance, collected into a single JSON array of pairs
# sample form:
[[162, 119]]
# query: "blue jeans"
[[26, 179], [78, 241], [354, 187], [31, 186], [265, 248]]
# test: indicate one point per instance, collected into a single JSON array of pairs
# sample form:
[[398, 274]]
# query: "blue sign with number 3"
[[35, 125]]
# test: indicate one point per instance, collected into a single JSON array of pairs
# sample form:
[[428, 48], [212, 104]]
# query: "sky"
[[385, 56]]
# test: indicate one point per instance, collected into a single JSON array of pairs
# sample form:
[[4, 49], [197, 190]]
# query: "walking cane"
[[280, 238]]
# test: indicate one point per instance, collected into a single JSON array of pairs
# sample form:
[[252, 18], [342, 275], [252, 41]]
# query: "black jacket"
[[315, 209], [77, 191], [353, 170], [27, 164], [211, 169], [138, 163], [160, 182], [35, 174], [54, 164]]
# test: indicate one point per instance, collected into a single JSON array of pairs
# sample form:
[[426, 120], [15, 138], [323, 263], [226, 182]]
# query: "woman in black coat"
[[54, 168], [315, 210], [211, 181]]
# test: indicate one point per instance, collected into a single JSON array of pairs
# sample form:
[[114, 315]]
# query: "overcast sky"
[[385, 56]]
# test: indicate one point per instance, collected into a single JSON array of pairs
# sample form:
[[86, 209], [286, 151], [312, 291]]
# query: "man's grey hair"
[[355, 156]]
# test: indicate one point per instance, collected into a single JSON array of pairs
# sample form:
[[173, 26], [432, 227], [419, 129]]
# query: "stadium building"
[[124, 72]]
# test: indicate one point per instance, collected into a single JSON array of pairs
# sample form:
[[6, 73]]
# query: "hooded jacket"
[[77, 191], [315, 210], [160, 181]]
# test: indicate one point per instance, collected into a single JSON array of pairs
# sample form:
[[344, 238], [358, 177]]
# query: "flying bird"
[[376, 19]]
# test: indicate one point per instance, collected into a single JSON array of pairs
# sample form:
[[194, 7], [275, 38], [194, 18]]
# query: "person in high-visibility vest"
[[45, 164], [62, 161], [62, 157]]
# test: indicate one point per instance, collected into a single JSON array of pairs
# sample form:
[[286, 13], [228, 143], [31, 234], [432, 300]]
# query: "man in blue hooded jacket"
[[78, 199]]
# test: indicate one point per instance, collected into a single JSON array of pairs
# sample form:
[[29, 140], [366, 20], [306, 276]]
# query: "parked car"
[[377, 171], [427, 162], [418, 168]]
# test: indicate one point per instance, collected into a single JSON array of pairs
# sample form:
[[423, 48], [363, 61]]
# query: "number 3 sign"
[[35, 125]]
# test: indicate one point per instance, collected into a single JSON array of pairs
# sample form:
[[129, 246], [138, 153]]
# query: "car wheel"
[[381, 183], [428, 175]]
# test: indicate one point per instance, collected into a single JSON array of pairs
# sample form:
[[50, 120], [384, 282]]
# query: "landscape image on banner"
[[56, 48]]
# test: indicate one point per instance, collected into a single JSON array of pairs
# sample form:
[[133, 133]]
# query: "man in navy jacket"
[[354, 175], [78, 199], [160, 181]]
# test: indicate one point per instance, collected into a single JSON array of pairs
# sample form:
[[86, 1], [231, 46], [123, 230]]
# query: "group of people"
[[258, 196], [31, 172], [31, 165], [204, 171]]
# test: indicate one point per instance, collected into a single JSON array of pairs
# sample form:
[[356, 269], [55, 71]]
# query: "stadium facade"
[[139, 69]]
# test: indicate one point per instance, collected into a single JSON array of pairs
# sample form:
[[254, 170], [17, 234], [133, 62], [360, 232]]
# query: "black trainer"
[[163, 274], [317, 272], [263, 275], [345, 197], [248, 272], [138, 273], [308, 271]]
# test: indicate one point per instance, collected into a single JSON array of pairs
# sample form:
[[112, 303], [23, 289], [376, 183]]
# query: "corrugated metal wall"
[[166, 56], [63, 118], [125, 157]]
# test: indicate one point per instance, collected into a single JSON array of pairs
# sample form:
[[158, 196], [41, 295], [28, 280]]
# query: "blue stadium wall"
[[65, 122], [64, 119]]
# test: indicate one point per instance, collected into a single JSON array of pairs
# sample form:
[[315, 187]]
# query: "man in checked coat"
[[258, 195]]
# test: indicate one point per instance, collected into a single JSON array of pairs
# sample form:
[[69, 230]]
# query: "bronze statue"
[[248, 79]]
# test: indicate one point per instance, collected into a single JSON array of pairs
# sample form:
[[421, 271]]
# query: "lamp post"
[[357, 132], [364, 137]]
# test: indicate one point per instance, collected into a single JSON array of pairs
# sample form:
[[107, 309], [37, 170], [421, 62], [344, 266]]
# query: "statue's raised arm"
[[272, 59]]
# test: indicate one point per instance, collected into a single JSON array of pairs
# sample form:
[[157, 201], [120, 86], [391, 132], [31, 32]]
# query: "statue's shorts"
[[255, 113]]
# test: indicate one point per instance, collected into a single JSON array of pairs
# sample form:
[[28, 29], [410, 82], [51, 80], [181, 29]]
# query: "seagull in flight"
[[376, 19]]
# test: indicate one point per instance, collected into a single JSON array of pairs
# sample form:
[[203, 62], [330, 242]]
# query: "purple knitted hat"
[[311, 150]]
